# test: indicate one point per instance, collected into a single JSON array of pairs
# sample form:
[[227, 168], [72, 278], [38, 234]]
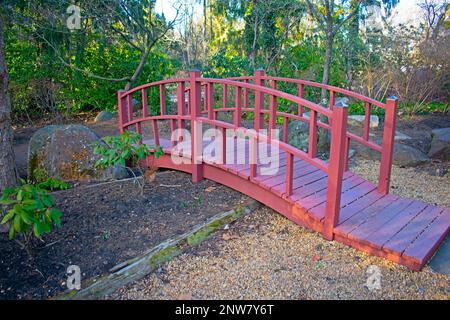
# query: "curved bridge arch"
[[321, 195]]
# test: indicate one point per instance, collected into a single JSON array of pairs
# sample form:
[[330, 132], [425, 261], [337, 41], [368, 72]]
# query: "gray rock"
[[408, 156], [399, 136], [104, 116], [66, 152], [359, 120], [343, 100], [298, 135], [404, 155], [440, 144]]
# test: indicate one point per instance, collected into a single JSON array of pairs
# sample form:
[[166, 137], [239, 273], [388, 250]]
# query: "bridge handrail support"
[[336, 168], [387, 145], [196, 134]]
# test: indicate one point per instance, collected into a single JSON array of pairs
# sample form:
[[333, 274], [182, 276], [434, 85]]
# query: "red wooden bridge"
[[321, 195]]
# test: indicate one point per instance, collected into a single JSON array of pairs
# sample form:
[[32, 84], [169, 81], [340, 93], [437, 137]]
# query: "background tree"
[[8, 176], [330, 18]]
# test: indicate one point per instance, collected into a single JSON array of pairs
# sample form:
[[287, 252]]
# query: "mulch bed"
[[106, 224]]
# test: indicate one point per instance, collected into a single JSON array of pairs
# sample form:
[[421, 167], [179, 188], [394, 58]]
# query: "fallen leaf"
[[229, 236], [150, 174], [210, 189]]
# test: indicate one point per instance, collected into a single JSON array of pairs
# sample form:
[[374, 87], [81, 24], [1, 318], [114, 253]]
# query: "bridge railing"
[[195, 112], [390, 109]]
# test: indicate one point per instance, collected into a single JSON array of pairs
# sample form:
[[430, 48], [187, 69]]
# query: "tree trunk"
[[327, 63], [323, 135], [8, 173]]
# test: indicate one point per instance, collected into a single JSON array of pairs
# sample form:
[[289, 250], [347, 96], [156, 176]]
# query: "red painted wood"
[[195, 85], [366, 121], [144, 103], [289, 174], [245, 95], [300, 95], [317, 186], [347, 197], [358, 205], [272, 112], [162, 98], [285, 129], [181, 107], [312, 147], [398, 243], [346, 153], [388, 146], [155, 132], [352, 223], [259, 101], [302, 177], [427, 242], [320, 197], [238, 106], [210, 99], [129, 106], [123, 115], [225, 96], [382, 218], [332, 100], [379, 237], [253, 157], [336, 170]]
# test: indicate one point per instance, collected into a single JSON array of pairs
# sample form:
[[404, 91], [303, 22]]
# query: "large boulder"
[[408, 156], [404, 155], [440, 144], [359, 120], [66, 152], [298, 135], [104, 116]]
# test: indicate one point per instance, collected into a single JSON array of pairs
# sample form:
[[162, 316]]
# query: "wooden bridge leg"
[[387, 145], [335, 169], [196, 131]]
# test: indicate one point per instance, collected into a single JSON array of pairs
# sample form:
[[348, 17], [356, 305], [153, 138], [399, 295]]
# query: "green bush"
[[31, 209]]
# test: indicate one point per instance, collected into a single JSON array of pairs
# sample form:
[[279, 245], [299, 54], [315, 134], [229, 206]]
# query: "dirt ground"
[[104, 225]]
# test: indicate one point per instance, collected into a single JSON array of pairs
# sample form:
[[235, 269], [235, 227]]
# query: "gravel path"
[[265, 256]]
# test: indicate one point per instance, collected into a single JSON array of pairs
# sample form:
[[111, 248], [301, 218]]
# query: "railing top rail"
[[273, 92], [153, 84], [330, 88]]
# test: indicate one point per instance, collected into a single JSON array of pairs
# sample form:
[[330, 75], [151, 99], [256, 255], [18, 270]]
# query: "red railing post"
[[272, 112], [196, 129], [224, 96], [122, 109], [387, 151], [181, 108], [259, 101], [238, 108], [312, 145], [162, 98], [335, 169], [300, 95]]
